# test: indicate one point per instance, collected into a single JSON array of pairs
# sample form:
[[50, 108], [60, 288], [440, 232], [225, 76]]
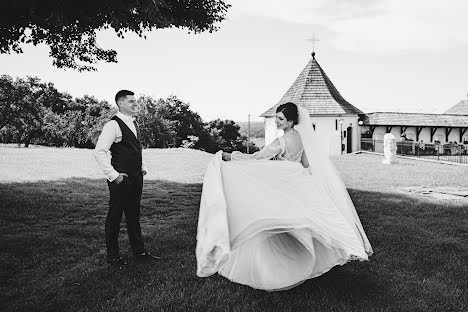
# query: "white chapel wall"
[[326, 126]]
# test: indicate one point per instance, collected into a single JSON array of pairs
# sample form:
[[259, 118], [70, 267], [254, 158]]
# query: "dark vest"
[[126, 155]]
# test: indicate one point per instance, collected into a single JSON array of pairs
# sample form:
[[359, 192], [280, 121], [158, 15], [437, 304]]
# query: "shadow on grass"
[[52, 242]]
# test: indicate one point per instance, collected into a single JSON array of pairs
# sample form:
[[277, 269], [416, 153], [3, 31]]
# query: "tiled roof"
[[415, 119], [314, 91], [459, 109]]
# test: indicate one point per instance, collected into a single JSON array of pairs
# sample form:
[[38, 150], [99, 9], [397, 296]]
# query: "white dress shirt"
[[111, 133]]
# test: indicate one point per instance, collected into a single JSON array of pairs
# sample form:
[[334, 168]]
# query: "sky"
[[382, 55]]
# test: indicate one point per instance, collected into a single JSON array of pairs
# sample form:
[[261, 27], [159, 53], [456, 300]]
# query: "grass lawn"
[[53, 204]]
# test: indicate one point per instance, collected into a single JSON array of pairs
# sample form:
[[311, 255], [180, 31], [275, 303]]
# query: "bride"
[[273, 224]]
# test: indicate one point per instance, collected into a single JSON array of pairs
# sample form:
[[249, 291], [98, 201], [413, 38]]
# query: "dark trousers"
[[124, 198]]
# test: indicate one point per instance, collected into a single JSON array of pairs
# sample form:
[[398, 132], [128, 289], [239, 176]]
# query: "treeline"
[[257, 129], [35, 112]]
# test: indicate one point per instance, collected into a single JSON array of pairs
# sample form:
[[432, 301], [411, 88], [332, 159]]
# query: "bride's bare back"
[[287, 147], [293, 149]]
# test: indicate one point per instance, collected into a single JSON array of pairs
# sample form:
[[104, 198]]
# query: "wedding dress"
[[273, 224]]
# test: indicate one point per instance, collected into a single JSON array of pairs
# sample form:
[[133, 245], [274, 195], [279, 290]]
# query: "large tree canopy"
[[69, 27]]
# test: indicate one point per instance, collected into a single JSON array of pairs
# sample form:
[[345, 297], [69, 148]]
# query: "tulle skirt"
[[283, 227]]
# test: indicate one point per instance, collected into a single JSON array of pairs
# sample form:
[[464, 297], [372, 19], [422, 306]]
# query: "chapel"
[[332, 116]]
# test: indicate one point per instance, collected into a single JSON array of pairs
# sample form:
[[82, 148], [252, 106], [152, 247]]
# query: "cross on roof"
[[313, 40]]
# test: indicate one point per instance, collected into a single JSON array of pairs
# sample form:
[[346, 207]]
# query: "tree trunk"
[[27, 140], [18, 139]]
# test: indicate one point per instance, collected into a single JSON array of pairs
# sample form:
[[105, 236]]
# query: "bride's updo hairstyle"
[[289, 111]]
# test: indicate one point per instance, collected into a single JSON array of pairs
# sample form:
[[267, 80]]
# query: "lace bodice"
[[277, 150], [285, 154]]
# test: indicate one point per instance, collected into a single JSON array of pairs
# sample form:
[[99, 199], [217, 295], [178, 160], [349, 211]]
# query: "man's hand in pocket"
[[120, 178]]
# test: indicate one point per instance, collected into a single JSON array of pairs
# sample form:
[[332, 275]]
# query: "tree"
[[64, 129], [96, 114], [69, 27], [79, 125], [24, 103], [93, 115], [183, 120], [156, 130], [21, 101], [9, 99], [32, 111], [242, 145], [53, 129], [57, 101], [225, 133]]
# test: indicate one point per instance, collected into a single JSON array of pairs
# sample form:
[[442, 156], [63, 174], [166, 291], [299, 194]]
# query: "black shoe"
[[117, 263], [146, 256]]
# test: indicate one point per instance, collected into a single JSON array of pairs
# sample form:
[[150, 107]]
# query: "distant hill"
[[256, 128]]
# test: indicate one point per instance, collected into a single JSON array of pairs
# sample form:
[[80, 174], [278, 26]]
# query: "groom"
[[124, 170]]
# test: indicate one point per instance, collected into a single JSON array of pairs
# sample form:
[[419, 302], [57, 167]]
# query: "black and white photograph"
[[234, 155]]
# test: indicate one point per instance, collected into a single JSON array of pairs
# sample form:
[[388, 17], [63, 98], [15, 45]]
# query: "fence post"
[[438, 151], [373, 145], [460, 152]]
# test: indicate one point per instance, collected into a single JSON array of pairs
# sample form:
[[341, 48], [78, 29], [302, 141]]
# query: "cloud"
[[374, 26], [307, 11]]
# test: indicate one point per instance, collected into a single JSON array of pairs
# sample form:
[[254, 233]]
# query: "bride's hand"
[[226, 156]]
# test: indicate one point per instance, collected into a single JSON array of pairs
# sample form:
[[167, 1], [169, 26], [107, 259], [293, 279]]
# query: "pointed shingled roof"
[[314, 91], [461, 108]]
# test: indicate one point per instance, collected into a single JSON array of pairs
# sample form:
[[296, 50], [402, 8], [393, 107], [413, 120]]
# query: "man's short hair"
[[122, 94]]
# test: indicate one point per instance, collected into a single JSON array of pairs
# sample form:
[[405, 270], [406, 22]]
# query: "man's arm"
[[101, 151], [144, 168]]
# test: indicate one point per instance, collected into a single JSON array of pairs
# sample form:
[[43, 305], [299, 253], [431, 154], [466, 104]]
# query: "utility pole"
[[341, 135]]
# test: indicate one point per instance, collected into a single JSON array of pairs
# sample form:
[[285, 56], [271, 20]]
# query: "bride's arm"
[[268, 152], [304, 161]]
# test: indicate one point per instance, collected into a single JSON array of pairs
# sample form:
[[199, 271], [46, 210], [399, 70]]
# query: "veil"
[[321, 166]]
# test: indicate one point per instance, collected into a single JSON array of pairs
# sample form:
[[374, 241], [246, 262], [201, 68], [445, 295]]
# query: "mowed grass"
[[45, 164], [52, 240]]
